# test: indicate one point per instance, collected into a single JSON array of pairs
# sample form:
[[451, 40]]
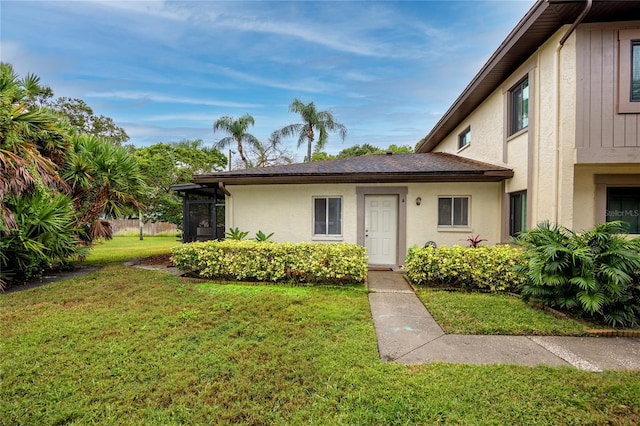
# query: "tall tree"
[[312, 121], [165, 164], [237, 130], [104, 180], [359, 150], [82, 118], [270, 153], [32, 141]]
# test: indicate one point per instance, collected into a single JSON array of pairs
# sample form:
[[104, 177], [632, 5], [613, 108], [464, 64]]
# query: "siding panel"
[[608, 97], [602, 134]]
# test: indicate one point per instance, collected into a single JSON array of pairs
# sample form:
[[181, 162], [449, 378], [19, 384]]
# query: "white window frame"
[[313, 217], [453, 213]]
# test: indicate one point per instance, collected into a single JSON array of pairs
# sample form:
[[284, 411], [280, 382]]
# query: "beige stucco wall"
[[287, 211], [585, 187], [553, 138], [543, 156], [422, 220], [487, 132]]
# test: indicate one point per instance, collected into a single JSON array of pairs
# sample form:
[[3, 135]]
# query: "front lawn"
[[124, 345], [123, 248], [460, 312]]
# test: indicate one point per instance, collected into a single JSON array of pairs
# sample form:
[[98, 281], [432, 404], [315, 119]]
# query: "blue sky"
[[165, 71]]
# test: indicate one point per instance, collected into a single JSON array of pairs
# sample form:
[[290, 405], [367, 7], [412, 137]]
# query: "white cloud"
[[155, 97]]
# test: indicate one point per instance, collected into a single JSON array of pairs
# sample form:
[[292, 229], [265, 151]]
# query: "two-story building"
[[549, 129]]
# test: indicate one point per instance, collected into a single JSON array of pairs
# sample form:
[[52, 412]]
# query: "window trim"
[[452, 198], [512, 106], [313, 217], [626, 39], [462, 137]]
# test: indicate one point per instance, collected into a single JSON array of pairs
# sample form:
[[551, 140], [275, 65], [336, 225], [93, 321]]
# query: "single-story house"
[[549, 129]]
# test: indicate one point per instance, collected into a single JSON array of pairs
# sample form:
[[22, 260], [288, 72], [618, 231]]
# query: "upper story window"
[[464, 138], [327, 216], [453, 211], [519, 107], [635, 71], [629, 71]]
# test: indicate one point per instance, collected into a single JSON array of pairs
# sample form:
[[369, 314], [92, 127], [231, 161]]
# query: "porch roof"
[[374, 168]]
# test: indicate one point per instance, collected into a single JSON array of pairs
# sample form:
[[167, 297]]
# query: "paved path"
[[408, 333]]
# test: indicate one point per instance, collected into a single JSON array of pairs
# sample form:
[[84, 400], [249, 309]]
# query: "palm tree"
[[104, 179], [32, 141], [237, 130], [322, 121]]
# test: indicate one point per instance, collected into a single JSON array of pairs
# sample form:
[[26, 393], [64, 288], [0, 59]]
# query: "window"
[[517, 213], [519, 106], [623, 203], [629, 71], [327, 216], [635, 71], [453, 211], [464, 138]]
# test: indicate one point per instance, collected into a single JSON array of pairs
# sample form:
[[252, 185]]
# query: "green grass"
[[124, 248], [483, 313], [142, 347]]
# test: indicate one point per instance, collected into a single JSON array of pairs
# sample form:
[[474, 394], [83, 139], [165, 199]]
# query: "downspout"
[[564, 38], [223, 189]]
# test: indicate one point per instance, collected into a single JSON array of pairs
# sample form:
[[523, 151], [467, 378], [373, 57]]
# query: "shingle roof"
[[429, 167]]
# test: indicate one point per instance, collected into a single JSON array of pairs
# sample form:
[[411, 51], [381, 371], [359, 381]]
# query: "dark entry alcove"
[[203, 212]]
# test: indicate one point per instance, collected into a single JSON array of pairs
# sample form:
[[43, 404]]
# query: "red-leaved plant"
[[475, 240]]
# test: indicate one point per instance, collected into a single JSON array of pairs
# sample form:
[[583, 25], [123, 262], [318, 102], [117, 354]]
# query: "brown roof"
[[374, 168], [541, 22]]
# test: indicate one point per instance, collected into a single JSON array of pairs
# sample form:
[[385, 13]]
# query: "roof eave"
[[435, 136], [471, 176]]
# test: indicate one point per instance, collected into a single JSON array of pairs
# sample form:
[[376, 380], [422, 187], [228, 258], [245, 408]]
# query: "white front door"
[[381, 228]]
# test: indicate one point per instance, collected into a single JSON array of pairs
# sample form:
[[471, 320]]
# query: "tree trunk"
[[310, 142], [241, 153]]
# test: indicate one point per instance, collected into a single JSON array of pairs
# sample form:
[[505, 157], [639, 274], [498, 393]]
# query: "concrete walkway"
[[408, 333]]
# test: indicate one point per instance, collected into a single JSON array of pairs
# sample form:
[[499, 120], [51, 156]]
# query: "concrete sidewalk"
[[408, 333]]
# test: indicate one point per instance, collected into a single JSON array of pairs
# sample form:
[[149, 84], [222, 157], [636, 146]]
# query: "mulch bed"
[[157, 260]]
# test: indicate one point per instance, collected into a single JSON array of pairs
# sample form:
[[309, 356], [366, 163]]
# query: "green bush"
[[595, 274], [486, 268], [273, 262], [45, 237]]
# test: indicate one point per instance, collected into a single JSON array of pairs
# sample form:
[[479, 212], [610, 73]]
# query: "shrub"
[[45, 237], [486, 268], [273, 262], [595, 274]]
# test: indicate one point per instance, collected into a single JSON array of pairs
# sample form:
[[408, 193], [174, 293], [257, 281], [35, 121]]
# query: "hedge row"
[[487, 268], [274, 262]]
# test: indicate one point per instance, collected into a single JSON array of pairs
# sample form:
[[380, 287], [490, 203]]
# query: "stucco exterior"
[[560, 185], [287, 210]]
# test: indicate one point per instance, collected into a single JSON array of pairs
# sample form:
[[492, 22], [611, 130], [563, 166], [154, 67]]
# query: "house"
[[559, 103], [549, 129]]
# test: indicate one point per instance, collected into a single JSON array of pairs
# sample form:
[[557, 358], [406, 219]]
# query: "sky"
[[166, 70]]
